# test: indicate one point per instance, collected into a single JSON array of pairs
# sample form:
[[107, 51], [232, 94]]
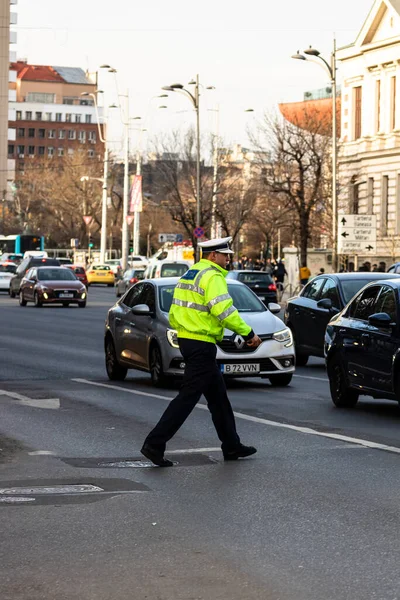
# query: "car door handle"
[[118, 320], [365, 339]]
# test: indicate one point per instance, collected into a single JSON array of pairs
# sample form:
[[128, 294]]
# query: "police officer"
[[201, 309]]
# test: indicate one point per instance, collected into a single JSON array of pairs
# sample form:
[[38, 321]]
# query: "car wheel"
[[82, 304], [22, 301], [114, 370], [118, 294], [37, 300], [156, 367], [280, 380], [12, 293], [65, 304], [342, 395], [110, 284]]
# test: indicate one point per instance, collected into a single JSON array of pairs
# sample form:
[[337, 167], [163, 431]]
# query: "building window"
[[11, 149], [61, 134], [370, 196], [52, 134], [42, 133], [67, 100], [377, 105], [28, 115], [78, 118], [31, 132], [50, 151], [59, 117], [48, 116], [92, 137], [40, 97], [82, 136], [91, 153], [21, 132], [88, 118], [392, 103], [18, 115], [71, 134], [20, 150], [31, 150], [70, 151], [60, 151], [68, 117], [354, 197], [357, 111], [38, 116], [384, 204], [41, 150]]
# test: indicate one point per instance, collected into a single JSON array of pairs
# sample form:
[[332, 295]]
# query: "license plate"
[[240, 368], [101, 274], [66, 295]]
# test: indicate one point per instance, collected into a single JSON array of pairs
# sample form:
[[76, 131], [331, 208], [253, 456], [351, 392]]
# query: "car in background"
[[79, 272], [260, 282], [138, 336], [52, 285], [362, 345], [395, 268], [116, 267], [26, 264], [100, 274], [12, 258], [7, 270], [308, 314], [130, 277], [63, 260], [138, 262], [166, 268]]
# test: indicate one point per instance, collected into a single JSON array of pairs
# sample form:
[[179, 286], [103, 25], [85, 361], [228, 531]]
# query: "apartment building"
[[369, 161], [7, 38], [54, 115]]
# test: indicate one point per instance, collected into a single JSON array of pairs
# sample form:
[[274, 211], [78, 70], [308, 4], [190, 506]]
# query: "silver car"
[[138, 336]]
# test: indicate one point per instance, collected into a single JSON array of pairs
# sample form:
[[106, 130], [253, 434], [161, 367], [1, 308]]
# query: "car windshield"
[[173, 270], [101, 268], [55, 275], [257, 277], [8, 268], [79, 270], [243, 299], [350, 287]]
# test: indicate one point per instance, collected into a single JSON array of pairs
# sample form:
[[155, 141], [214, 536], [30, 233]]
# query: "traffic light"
[[91, 245]]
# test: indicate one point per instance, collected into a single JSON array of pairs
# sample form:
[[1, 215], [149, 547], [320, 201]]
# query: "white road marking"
[[16, 500], [55, 489], [42, 453], [48, 403], [309, 377], [193, 450], [307, 430]]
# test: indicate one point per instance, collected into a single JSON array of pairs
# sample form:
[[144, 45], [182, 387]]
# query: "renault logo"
[[239, 342]]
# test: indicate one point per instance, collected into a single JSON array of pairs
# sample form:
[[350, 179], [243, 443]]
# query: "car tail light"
[[272, 287], [133, 280]]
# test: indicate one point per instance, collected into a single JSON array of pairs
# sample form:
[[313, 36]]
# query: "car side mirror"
[[381, 320], [141, 310], [325, 303], [274, 308]]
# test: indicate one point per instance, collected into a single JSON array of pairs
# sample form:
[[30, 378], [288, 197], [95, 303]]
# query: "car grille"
[[228, 345], [58, 292]]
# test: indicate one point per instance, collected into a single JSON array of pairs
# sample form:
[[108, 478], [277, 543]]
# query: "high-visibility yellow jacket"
[[202, 307]]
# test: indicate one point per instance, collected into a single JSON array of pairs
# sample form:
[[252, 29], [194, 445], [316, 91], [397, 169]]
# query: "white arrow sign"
[[356, 234], [49, 403]]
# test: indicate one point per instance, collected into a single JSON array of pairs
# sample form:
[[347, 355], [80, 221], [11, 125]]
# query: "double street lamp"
[[331, 69]]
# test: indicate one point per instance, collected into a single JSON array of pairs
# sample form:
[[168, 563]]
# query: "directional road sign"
[[357, 234], [166, 237]]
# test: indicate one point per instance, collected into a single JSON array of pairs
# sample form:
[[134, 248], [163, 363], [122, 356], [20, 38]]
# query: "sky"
[[243, 49]]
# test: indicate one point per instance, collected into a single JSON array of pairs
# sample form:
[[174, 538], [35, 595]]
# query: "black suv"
[[27, 263]]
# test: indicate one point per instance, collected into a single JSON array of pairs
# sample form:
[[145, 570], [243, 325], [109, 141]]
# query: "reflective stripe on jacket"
[[202, 308]]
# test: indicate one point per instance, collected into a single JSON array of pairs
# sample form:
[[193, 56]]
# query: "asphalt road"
[[314, 515]]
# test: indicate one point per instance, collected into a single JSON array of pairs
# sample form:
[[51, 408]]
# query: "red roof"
[[312, 115], [35, 72]]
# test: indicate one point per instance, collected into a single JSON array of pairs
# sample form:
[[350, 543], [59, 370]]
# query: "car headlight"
[[172, 337], [284, 337], [83, 295]]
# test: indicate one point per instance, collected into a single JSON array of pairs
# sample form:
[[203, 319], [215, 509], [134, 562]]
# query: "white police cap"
[[217, 245]]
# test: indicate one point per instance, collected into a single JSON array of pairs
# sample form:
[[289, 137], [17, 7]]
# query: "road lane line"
[[307, 430], [47, 403], [309, 377]]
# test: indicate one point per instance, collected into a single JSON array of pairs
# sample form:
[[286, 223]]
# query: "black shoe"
[[241, 452], [156, 456]]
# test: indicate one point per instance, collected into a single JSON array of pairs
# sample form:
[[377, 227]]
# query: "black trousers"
[[202, 376]]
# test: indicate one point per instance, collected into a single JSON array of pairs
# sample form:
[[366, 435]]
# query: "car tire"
[[156, 367], [114, 370], [37, 301], [118, 294], [82, 304], [110, 285], [280, 380], [22, 301], [342, 395], [65, 304], [12, 293]]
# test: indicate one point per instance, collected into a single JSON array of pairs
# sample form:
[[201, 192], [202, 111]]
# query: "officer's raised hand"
[[254, 342]]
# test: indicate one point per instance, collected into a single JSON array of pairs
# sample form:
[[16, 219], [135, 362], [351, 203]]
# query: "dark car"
[[309, 313], [52, 285], [259, 282], [395, 268], [64, 261], [130, 277], [28, 263], [79, 272], [362, 346]]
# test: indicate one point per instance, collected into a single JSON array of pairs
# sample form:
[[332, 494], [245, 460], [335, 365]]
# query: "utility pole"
[[125, 207], [136, 220], [103, 236]]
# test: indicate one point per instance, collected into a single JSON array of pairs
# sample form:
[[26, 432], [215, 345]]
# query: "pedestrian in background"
[[305, 274], [200, 311]]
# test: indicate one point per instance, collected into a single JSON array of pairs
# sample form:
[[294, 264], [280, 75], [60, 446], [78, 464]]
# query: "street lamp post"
[[331, 69]]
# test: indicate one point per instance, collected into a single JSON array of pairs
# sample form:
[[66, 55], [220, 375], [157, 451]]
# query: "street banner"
[[136, 194]]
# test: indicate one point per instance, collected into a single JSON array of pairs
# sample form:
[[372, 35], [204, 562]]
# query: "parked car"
[[26, 264], [260, 282], [13, 258], [63, 260], [130, 277], [51, 285], [166, 268], [7, 270], [308, 314], [138, 336], [362, 345], [79, 272], [100, 274]]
